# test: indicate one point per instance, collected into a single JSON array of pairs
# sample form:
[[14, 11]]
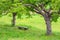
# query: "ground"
[[36, 25]]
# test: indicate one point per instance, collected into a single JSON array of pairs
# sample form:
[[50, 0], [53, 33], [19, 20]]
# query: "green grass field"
[[36, 25]]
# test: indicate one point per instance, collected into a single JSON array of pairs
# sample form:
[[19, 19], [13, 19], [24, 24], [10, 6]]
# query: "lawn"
[[36, 31]]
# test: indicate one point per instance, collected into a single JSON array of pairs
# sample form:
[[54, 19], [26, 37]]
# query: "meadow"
[[36, 31]]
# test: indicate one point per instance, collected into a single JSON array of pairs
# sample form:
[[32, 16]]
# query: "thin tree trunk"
[[13, 19], [48, 25]]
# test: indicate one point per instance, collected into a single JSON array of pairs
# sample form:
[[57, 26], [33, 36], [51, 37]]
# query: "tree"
[[47, 8], [13, 7]]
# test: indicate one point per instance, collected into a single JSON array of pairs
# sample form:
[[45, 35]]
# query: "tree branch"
[[36, 9], [42, 7], [33, 6], [4, 13], [39, 12]]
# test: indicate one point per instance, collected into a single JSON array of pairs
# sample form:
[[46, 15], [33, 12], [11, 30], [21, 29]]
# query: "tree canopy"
[[10, 6], [48, 5]]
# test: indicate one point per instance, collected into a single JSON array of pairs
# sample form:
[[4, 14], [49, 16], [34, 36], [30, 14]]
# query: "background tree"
[[13, 7]]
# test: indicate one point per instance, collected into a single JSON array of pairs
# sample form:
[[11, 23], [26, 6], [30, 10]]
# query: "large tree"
[[47, 8]]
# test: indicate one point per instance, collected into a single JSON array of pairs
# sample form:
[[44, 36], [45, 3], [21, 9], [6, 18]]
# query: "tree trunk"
[[48, 24], [13, 19]]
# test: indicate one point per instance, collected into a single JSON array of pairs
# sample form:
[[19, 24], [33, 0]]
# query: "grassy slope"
[[36, 25]]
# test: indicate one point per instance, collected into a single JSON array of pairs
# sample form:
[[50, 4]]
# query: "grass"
[[36, 25]]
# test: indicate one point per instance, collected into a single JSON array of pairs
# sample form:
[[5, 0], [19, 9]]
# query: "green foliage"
[[18, 6], [4, 5], [19, 15], [12, 6], [55, 4], [54, 16]]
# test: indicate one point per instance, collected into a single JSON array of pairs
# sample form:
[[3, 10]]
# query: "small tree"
[[13, 7]]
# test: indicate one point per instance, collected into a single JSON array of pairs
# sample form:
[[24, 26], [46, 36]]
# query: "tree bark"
[[13, 19], [48, 24]]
